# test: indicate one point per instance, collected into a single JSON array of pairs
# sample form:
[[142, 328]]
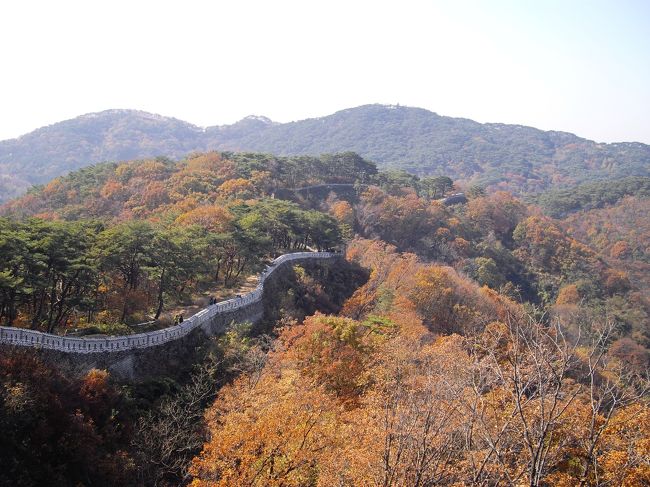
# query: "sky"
[[574, 65]]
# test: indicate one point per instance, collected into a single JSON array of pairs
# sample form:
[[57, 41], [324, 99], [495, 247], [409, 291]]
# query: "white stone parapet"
[[31, 338]]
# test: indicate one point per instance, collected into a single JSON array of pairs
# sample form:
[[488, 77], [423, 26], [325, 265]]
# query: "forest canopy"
[[560, 203], [471, 341]]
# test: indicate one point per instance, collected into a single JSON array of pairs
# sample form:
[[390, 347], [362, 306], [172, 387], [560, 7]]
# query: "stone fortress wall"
[[121, 354]]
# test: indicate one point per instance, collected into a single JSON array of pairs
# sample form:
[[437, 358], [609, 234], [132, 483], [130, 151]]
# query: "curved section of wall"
[[31, 338]]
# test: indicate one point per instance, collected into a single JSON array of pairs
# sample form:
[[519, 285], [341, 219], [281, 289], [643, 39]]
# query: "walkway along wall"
[[127, 356]]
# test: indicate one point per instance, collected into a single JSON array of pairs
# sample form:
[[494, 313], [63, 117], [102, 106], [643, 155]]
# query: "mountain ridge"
[[513, 157], [269, 121]]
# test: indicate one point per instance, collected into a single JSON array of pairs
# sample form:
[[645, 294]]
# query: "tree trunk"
[[125, 305], [161, 286], [217, 271], [50, 311]]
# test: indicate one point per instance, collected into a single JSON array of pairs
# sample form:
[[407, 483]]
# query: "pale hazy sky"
[[575, 65]]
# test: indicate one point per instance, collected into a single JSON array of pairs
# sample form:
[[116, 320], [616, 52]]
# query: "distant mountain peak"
[[131, 114], [120, 111], [251, 123], [259, 118]]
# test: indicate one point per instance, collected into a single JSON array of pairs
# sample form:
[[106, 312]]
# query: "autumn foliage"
[[392, 398], [489, 345], [58, 430]]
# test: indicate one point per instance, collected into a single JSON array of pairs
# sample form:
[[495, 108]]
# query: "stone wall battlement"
[[203, 319]]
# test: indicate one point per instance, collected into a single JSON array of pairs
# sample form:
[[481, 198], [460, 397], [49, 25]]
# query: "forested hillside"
[[519, 159], [428, 379], [117, 244], [494, 349], [113, 135], [472, 343], [621, 234], [562, 202], [222, 209], [513, 157]]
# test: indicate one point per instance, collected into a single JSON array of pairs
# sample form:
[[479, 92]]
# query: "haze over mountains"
[[517, 158]]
